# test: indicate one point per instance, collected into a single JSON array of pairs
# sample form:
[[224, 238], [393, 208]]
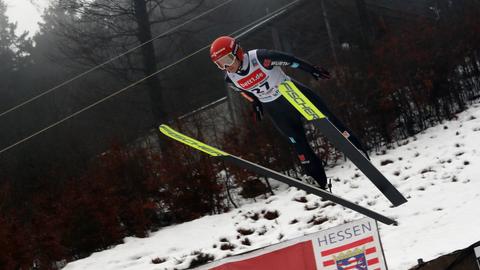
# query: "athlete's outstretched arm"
[[271, 58]]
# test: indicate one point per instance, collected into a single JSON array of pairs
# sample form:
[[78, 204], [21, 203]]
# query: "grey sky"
[[27, 13]]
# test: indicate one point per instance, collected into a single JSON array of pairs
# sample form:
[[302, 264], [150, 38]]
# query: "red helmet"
[[224, 50]]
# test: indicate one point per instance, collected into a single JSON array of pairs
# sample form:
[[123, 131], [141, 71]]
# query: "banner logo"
[[351, 260], [252, 79], [354, 246], [360, 254]]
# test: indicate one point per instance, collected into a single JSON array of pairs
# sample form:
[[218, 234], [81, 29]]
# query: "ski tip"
[[163, 127], [170, 132]]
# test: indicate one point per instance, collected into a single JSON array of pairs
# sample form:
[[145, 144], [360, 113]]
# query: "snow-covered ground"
[[436, 170]]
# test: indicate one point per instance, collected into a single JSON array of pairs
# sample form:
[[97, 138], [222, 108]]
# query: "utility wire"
[[242, 32], [111, 60]]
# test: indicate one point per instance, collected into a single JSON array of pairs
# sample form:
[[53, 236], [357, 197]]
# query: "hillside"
[[436, 170]]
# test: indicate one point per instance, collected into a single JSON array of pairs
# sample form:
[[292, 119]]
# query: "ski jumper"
[[258, 77]]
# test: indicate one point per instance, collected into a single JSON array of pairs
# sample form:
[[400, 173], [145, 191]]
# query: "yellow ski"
[[212, 151], [300, 101], [219, 154], [311, 113]]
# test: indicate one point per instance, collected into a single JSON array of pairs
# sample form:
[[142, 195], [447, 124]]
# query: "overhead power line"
[[112, 59], [240, 32]]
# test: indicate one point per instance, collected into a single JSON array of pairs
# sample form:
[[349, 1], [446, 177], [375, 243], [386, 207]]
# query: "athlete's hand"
[[257, 111], [320, 73]]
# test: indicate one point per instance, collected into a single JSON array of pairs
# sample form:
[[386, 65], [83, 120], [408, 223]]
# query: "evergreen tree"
[[13, 49]]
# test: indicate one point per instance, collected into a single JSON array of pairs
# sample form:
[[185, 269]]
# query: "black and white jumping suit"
[[258, 78]]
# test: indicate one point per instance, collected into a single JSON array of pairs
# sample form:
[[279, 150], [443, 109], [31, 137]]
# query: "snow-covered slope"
[[438, 171]]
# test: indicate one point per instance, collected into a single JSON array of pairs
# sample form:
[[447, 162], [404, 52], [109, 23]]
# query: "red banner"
[[299, 257], [354, 245]]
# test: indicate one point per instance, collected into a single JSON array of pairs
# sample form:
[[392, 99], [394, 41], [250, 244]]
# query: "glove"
[[257, 111], [320, 73]]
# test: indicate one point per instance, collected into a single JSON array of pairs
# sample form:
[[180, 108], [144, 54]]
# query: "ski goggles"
[[225, 61]]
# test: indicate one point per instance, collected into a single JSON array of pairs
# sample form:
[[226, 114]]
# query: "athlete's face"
[[233, 67]]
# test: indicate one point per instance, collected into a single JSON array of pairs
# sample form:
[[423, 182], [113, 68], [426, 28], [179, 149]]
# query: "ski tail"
[[219, 154], [313, 114]]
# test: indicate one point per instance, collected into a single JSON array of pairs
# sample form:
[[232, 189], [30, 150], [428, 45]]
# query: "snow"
[[436, 170]]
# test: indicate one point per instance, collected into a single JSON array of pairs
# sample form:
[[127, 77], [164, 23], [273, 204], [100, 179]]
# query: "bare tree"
[[94, 31]]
